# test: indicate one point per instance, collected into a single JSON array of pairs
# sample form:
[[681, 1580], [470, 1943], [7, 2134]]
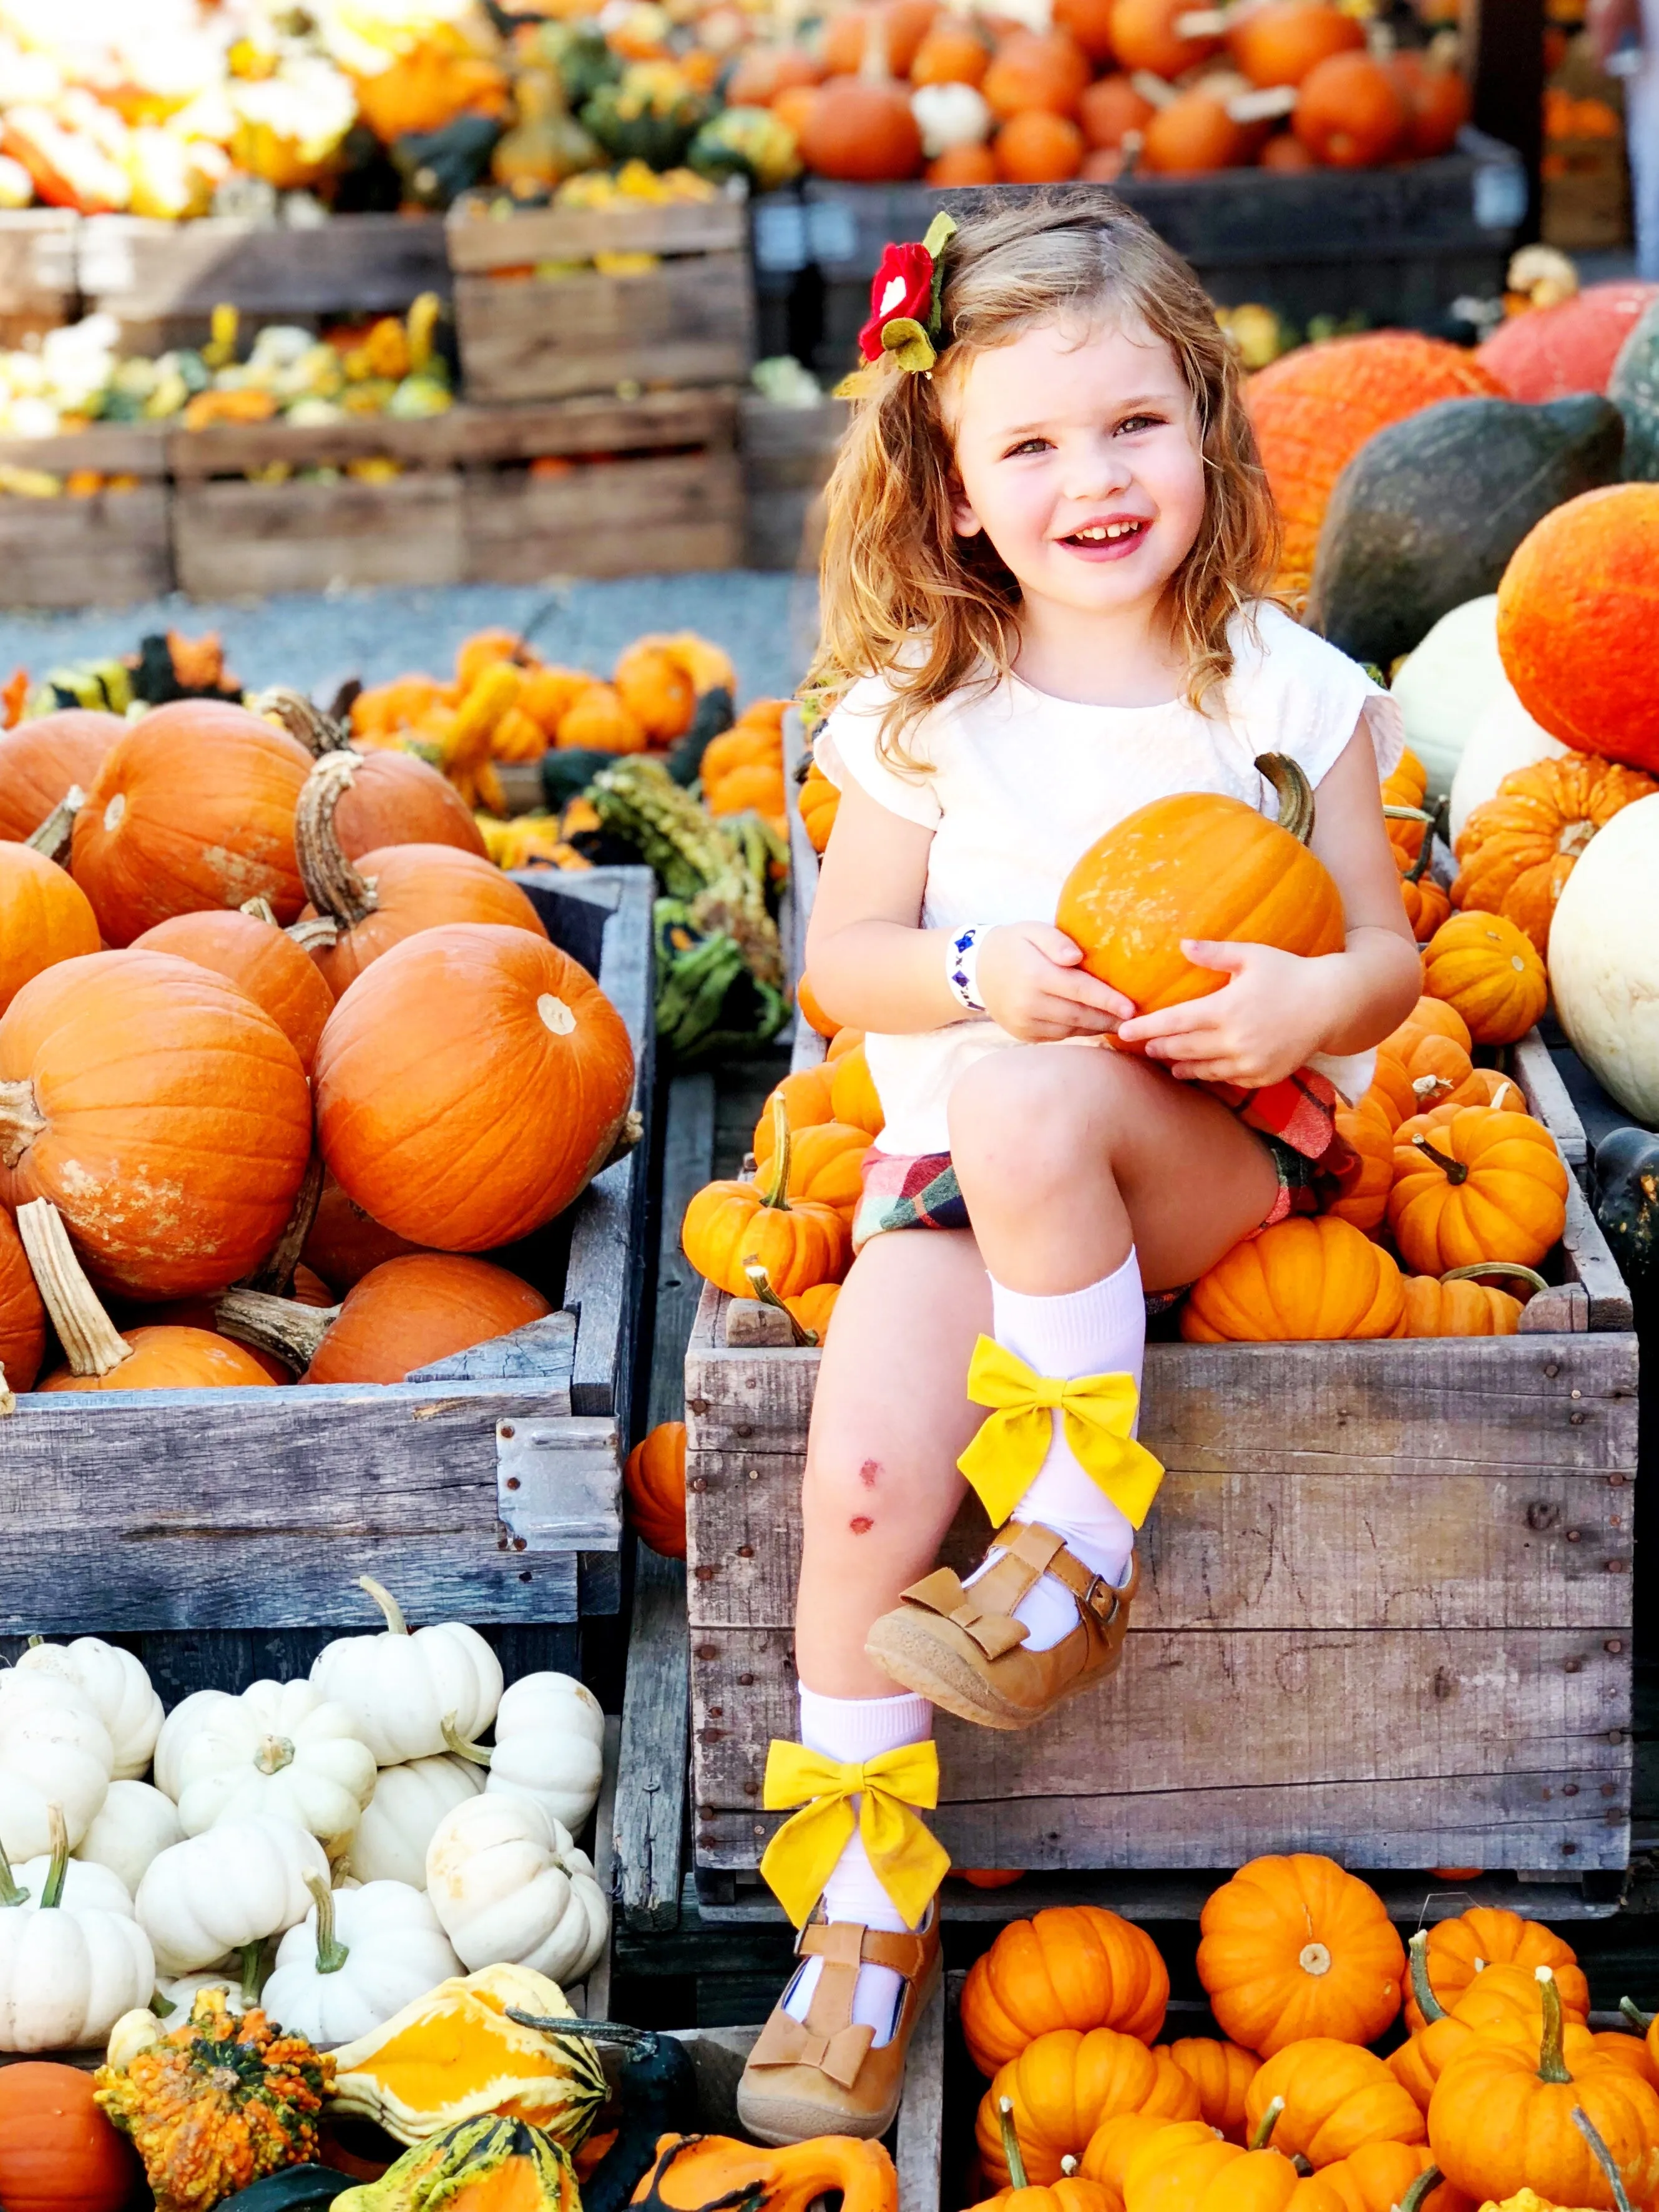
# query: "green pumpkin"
[[1626, 1193], [1427, 513], [651, 115], [749, 142], [472, 2152], [577, 52], [1634, 389]]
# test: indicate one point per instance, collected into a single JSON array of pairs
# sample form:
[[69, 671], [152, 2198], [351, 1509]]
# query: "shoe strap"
[[843, 1942], [1042, 1552]]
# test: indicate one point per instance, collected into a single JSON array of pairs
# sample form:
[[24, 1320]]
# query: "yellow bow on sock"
[[909, 1863], [1003, 1461]]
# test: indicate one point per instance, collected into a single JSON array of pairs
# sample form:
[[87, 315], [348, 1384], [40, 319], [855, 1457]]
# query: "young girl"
[[1049, 540]]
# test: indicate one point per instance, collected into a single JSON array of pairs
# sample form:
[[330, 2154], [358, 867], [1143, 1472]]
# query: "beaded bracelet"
[[962, 968]]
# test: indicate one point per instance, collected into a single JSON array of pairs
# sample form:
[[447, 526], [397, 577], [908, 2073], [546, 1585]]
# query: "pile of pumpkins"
[[1293, 2112], [268, 1017]]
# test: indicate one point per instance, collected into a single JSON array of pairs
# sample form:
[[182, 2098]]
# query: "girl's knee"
[[1032, 1115]]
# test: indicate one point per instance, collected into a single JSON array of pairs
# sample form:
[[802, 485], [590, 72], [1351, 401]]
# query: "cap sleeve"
[[849, 750], [1291, 692]]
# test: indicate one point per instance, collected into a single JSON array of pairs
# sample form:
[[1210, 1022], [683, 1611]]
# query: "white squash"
[[54, 1750], [510, 1888], [358, 1957], [180, 1724], [1604, 959], [280, 1747], [241, 1981], [68, 1972], [134, 1824], [550, 1747], [119, 1690], [1445, 685], [408, 1802], [400, 1689], [82, 1888], [1504, 738], [950, 115], [236, 1884]]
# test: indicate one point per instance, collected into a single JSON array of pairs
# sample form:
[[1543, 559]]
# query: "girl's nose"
[[1097, 471]]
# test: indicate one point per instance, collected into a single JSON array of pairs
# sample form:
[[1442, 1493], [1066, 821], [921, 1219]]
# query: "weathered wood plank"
[[596, 1989], [109, 548], [919, 2143], [688, 1163], [687, 321], [542, 1350], [531, 234], [1592, 1263], [1540, 1086], [687, 507], [112, 449], [231, 538], [37, 269], [149, 273]]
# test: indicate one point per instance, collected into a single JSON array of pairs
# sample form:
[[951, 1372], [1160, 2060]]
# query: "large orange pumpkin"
[[163, 1112], [1278, 44], [261, 960], [22, 1318], [1301, 1279], [193, 807], [42, 760], [653, 1478], [1492, 973], [1516, 849], [1074, 1966], [1221, 2073], [58, 2151], [1462, 1948], [1293, 1947], [1205, 866], [1351, 112], [1313, 409], [401, 1315], [1042, 70], [395, 799], [43, 918], [859, 130], [1146, 34], [469, 1085], [1338, 2097], [344, 1243], [1486, 1185], [1576, 615], [1063, 2085]]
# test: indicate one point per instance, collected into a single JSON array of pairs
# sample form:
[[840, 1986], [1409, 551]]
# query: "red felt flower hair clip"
[[905, 316]]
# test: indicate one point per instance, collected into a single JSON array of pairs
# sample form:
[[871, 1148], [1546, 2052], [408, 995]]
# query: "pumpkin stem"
[[261, 909], [633, 2042], [54, 835], [761, 1284], [1640, 2021], [163, 2008], [332, 885], [12, 1892], [1269, 2121], [774, 1185], [256, 1971], [8, 1395], [1293, 792], [317, 732], [331, 1953], [395, 1625], [1552, 2066], [274, 1753], [479, 1753], [1421, 2190], [1068, 2166], [1528, 1275], [1593, 2137], [1304, 2166], [1454, 1171], [20, 1122], [88, 1336], [316, 933], [1414, 873], [1011, 2149], [287, 1331], [275, 1273], [1427, 2003], [51, 1896]]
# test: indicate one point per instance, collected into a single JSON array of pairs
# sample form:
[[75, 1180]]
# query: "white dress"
[[1020, 784]]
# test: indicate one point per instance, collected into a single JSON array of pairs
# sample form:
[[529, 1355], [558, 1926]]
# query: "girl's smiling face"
[[1076, 448]]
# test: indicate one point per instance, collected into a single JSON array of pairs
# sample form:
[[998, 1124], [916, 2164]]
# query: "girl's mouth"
[[1108, 541]]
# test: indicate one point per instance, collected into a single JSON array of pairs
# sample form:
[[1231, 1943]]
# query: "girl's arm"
[[1278, 1009], [873, 966]]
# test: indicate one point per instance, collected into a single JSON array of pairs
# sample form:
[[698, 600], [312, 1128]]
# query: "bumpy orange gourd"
[[260, 959], [1221, 2073], [1301, 1279], [1361, 1197], [469, 1085], [728, 1225], [653, 1478], [1486, 1185], [1298, 1947], [1076, 1966], [1380, 2177], [1337, 2097], [22, 1319], [1485, 967], [1576, 615], [1063, 2085], [1199, 865], [45, 918], [193, 807], [1516, 849], [1485, 1935], [42, 759]]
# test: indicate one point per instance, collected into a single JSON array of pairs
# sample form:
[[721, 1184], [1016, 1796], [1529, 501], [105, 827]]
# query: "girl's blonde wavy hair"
[[903, 595]]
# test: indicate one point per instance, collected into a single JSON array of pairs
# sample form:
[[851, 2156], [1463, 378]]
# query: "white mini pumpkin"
[[135, 1823], [400, 1689], [233, 1885], [550, 1747], [180, 1724], [1446, 684], [1604, 959], [950, 115], [68, 1970], [1505, 738], [120, 1692], [408, 1802], [54, 1750], [358, 1957], [280, 1747], [82, 1888], [241, 1982], [510, 1888]]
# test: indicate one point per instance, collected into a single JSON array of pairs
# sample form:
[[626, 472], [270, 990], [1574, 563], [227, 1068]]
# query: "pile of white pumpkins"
[[352, 1817]]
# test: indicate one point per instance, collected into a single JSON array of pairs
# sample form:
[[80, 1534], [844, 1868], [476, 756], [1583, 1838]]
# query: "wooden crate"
[[788, 455], [688, 321], [107, 549], [223, 1538], [1586, 195], [36, 272]]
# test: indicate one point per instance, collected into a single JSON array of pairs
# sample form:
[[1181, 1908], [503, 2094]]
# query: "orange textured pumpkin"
[[42, 760], [1299, 1280], [260, 959], [812, 1309], [1199, 865], [1071, 2193], [1577, 611], [43, 918], [1036, 69], [1426, 905], [730, 1225], [653, 1478], [1483, 965], [407, 1312], [656, 690], [1455, 1305], [1111, 106], [1076, 1966], [1037, 148], [162, 1112], [859, 130], [22, 1319], [1361, 1197], [1280, 43], [1313, 409], [826, 1163], [344, 1243], [956, 167], [394, 798], [193, 807], [1063, 2085], [469, 1085], [1417, 1069], [1194, 134], [819, 800], [1181, 2172], [1486, 1185], [1350, 112], [1117, 2139], [599, 720], [1503, 2001], [1221, 2073], [1485, 1935], [1146, 35], [58, 2151], [1297, 1946], [1437, 103], [1429, 1017], [1380, 2177], [1338, 2097], [1516, 849]]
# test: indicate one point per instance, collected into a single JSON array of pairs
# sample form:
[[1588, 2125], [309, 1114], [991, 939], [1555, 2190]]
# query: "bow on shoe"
[[786, 2042], [909, 1863], [1099, 1411]]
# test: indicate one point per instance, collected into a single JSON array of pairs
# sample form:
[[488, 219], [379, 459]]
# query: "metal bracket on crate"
[[558, 1483]]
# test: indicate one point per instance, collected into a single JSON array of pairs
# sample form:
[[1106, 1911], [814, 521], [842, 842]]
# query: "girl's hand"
[[1033, 983], [1256, 1030]]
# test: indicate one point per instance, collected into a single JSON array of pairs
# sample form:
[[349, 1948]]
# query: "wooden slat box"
[[488, 1490], [36, 272], [688, 321], [788, 455], [107, 548]]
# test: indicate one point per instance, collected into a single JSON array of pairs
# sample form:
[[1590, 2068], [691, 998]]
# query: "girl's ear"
[[963, 520]]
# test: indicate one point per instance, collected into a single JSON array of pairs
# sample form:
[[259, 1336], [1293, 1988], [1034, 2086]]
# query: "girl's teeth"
[[1109, 530]]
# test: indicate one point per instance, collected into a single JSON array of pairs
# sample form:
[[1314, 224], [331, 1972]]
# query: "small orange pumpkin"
[[1064, 2084], [45, 918], [1111, 107], [1437, 100], [728, 1226], [1116, 2142], [1221, 2072], [1455, 1304], [1181, 2173], [852, 1092], [1361, 1196], [1036, 147], [1483, 965], [22, 1316], [956, 167], [1338, 2096], [810, 1012], [656, 690], [1516, 849], [953, 52], [1045, 69], [859, 130], [807, 1105], [1076, 1966], [653, 1477], [1297, 1946], [1071, 2193], [1194, 134], [826, 1164], [1429, 1017], [1304, 1279], [819, 800], [1350, 112], [42, 759], [812, 1310], [1420, 1069], [1505, 2001], [599, 719], [1146, 34], [1485, 1935], [1486, 1186], [1380, 2177], [1280, 43]]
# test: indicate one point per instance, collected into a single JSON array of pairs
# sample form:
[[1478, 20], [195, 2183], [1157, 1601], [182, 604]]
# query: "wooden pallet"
[[788, 455], [109, 548], [224, 1540], [36, 272], [688, 321]]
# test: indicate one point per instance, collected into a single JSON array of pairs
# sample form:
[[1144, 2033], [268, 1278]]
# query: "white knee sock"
[[846, 1729], [1098, 1330]]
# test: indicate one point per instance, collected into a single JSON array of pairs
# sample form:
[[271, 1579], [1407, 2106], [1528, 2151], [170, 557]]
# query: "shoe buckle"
[[1099, 1587]]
